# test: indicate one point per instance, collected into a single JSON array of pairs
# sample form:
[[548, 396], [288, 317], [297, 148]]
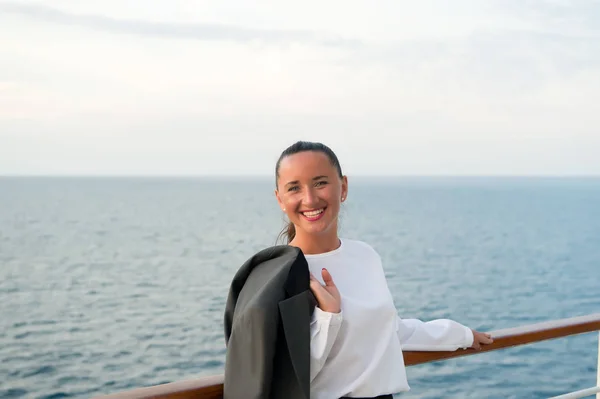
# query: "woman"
[[357, 337]]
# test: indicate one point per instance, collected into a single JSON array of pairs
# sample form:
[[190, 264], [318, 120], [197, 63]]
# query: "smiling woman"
[[310, 187], [315, 317]]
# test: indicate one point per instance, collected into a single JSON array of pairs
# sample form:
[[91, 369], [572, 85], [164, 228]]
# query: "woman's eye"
[[293, 188], [321, 183]]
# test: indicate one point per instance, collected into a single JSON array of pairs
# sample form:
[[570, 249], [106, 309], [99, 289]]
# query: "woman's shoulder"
[[354, 242], [283, 252], [354, 245]]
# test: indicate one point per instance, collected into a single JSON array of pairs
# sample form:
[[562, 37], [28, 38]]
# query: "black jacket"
[[267, 327]]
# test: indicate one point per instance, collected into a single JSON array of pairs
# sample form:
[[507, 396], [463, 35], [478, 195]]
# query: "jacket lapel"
[[296, 312]]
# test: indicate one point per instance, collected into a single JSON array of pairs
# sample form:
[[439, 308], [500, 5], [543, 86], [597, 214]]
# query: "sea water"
[[109, 284]]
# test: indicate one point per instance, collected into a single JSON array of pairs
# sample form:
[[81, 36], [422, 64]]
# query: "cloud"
[[170, 30], [559, 16], [429, 88]]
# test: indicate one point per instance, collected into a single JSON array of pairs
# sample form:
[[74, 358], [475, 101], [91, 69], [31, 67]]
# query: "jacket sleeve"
[[435, 335], [249, 356], [324, 328]]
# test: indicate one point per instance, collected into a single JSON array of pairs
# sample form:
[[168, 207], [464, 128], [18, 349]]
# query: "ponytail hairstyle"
[[289, 231]]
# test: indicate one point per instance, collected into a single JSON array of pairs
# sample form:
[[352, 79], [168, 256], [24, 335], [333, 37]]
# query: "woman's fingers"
[[481, 338], [486, 339], [316, 287], [327, 278], [327, 295], [322, 295]]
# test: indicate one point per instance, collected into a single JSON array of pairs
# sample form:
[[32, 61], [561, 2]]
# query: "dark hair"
[[301, 146]]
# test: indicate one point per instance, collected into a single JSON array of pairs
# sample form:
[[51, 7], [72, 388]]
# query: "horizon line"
[[211, 176]]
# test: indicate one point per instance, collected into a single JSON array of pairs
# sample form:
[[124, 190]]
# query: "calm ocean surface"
[[109, 284]]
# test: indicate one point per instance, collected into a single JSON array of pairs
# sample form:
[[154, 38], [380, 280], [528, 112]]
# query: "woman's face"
[[310, 191]]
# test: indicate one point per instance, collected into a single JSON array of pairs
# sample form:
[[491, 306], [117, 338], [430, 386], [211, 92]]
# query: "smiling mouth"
[[314, 215]]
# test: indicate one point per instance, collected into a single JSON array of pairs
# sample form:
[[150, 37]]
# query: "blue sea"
[[109, 284]]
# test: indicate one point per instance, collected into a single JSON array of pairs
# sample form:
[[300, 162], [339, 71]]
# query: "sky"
[[180, 87]]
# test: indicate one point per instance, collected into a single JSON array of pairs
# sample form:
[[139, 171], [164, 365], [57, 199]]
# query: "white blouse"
[[358, 352]]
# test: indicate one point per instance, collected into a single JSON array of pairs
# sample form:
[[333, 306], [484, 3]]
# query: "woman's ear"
[[344, 188], [279, 201]]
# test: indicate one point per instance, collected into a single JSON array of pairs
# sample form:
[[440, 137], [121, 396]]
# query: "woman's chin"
[[315, 228]]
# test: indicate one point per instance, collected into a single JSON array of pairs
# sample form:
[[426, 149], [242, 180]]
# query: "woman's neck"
[[312, 245]]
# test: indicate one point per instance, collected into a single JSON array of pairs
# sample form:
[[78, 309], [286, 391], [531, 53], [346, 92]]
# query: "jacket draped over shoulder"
[[267, 327]]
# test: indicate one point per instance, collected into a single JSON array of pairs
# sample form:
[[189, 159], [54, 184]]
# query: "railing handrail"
[[212, 387]]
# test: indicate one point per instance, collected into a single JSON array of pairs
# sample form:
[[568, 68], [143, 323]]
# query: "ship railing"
[[211, 387]]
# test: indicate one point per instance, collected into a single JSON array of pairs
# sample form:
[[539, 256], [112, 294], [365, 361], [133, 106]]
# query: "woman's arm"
[[324, 328], [435, 335]]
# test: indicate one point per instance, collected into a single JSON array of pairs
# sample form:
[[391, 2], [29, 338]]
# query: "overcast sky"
[[127, 87]]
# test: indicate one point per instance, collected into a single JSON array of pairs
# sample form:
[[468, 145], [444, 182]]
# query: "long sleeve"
[[324, 328], [435, 335]]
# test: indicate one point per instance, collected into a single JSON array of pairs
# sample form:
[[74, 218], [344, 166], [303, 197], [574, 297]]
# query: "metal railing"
[[212, 387], [584, 393]]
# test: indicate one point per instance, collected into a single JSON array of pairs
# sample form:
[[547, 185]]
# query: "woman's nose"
[[310, 197]]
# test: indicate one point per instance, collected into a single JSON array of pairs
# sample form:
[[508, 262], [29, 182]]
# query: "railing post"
[[598, 378]]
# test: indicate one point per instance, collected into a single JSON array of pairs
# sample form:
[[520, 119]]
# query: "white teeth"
[[313, 213]]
